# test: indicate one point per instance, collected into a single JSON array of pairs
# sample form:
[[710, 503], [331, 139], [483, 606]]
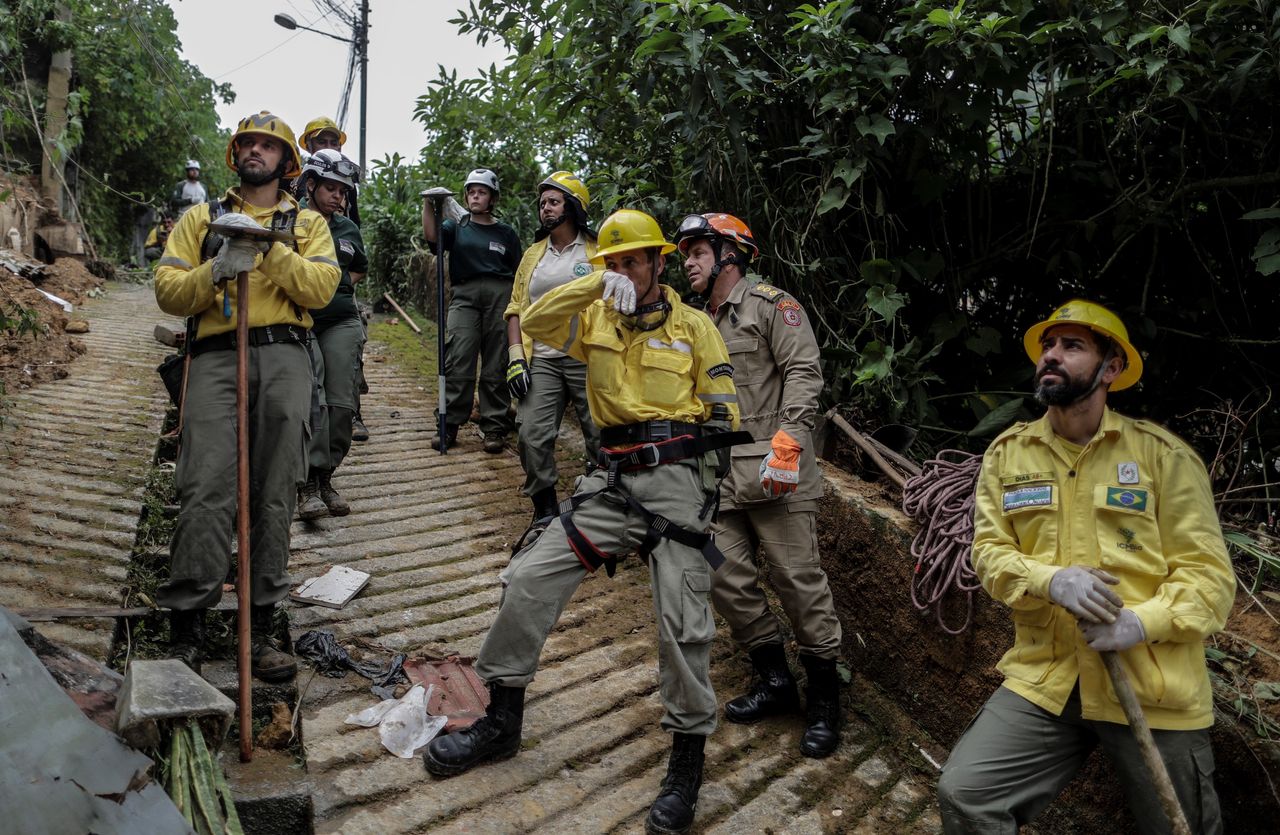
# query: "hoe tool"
[[437, 196]]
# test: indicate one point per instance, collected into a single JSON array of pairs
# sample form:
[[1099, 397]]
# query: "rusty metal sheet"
[[460, 694]]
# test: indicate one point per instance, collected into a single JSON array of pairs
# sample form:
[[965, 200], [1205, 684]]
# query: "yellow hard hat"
[[569, 183], [1097, 318], [267, 124], [628, 229], [319, 125]]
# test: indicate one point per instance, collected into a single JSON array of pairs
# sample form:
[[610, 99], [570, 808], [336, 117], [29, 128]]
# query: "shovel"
[[437, 196], [1146, 743], [242, 226]]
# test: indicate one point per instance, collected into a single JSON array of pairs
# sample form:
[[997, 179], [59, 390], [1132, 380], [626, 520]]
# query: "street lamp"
[[360, 37]]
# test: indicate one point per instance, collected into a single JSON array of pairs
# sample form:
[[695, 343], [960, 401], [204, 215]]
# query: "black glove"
[[518, 378]]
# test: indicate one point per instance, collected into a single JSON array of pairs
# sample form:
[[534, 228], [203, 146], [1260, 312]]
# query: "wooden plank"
[[400, 310], [46, 615]]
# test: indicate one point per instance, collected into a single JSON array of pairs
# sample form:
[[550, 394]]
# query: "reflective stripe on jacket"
[[1135, 502]]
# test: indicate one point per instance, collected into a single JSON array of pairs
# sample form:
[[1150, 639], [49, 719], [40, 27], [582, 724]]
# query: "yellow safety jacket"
[[520, 286], [1136, 502], [281, 288], [678, 371]]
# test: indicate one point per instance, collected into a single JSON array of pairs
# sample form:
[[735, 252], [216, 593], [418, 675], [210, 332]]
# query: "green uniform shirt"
[[478, 250], [351, 258]]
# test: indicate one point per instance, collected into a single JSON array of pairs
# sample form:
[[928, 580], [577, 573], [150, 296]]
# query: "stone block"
[[166, 690]]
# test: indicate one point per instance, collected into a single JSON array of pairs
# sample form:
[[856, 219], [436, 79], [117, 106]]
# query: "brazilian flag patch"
[[1127, 498]]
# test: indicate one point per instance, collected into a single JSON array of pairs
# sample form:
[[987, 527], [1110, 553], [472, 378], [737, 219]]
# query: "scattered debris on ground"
[[36, 333]]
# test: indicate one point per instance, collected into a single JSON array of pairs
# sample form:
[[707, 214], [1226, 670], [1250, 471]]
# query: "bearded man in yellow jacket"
[[1099, 532], [196, 277]]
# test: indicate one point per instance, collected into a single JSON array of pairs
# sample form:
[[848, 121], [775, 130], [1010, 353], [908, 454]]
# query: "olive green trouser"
[[540, 580], [1016, 757], [785, 537], [337, 355], [279, 408], [477, 330], [555, 381]]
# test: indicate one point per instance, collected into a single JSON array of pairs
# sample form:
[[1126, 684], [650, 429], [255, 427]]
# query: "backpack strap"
[[212, 240]]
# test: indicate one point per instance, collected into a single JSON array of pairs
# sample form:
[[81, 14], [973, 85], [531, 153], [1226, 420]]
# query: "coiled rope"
[[941, 499]]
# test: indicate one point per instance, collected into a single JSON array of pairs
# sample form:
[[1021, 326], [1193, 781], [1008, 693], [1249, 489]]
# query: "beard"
[[259, 175], [1063, 393]]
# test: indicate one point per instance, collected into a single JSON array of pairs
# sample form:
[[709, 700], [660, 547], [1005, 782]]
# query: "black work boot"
[[186, 637], [450, 433], [310, 505], [332, 500], [544, 503], [774, 691], [359, 432], [822, 726], [270, 663], [495, 442], [672, 811], [494, 736]]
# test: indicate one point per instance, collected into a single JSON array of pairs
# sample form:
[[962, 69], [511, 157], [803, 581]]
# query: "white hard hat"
[[328, 164], [193, 163], [484, 177]]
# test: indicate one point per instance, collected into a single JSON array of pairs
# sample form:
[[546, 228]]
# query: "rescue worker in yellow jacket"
[[196, 277], [769, 499], [1099, 532], [661, 390], [542, 378]]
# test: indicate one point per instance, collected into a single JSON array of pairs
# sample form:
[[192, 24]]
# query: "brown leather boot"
[[270, 663]]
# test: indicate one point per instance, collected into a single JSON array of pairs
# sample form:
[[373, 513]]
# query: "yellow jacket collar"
[[284, 201], [1110, 425]]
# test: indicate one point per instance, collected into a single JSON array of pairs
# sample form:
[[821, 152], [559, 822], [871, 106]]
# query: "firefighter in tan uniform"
[[768, 501], [661, 390]]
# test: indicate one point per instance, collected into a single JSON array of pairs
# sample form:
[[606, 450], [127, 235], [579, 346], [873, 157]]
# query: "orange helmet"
[[718, 227]]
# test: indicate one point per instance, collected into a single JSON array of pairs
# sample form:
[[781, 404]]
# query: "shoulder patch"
[[346, 246], [724, 369], [767, 291]]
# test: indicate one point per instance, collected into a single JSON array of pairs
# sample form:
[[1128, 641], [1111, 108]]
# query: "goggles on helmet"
[[695, 226], [342, 167]]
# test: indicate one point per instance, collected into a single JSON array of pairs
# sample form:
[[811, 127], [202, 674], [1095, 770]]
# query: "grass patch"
[[412, 352]]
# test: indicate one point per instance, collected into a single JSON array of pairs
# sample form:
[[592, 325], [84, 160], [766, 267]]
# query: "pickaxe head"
[[237, 225]]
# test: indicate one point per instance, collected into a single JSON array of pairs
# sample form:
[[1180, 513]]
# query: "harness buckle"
[[645, 452]]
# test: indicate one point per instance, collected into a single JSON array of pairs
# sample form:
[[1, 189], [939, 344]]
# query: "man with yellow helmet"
[[1099, 532], [196, 278], [661, 390], [542, 378], [321, 133]]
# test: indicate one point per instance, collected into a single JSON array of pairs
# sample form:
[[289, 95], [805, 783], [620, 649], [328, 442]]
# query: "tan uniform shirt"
[[778, 373]]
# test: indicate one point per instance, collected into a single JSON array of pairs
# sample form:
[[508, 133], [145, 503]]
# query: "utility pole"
[[364, 80]]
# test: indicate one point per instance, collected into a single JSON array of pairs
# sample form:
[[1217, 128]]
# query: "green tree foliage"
[[138, 110]]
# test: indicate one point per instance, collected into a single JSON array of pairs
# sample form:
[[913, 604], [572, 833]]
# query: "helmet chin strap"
[[553, 224], [719, 265]]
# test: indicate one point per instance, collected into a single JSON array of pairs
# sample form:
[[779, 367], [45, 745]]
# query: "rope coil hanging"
[[941, 499]]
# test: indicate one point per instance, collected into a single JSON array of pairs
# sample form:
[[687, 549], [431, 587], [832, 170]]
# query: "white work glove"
[[237, 255], [1126, 632], [619, 288], [1083, 592]]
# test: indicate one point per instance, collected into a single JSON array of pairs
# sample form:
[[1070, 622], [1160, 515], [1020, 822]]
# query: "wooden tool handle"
[[243, 598], [1146, 743]]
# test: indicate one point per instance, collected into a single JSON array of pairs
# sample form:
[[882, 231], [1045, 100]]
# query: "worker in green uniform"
[[661, 390], [483, 255], [769, 499], [1099, 532], [329, 178], [541, 377], [197, 277]]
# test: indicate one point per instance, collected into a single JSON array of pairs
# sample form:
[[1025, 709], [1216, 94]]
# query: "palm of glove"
[[518, 378], [620, 289], [1125, 632], [1083, 592]]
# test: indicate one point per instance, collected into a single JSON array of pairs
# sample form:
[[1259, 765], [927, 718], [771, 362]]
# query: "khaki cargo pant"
[[477, 330], [279, 409], [555, 381], [337, 355], [1016, 757], [785, 537], [542, 578]]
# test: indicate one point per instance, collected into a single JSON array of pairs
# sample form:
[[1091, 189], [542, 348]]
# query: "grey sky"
[[299, 75]]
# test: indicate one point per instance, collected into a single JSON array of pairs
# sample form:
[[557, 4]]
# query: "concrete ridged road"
[[434, 532], [75, 454]]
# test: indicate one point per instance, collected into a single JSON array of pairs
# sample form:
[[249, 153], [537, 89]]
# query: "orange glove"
[[780, 472]]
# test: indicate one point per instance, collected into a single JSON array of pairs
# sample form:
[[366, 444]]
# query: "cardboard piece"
[[334, 589]]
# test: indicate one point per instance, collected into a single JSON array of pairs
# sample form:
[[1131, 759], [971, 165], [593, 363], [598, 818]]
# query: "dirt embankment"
[[35, 345], [942, 680]]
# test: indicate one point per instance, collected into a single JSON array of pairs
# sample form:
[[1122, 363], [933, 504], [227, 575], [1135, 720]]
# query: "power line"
[[257, 58]]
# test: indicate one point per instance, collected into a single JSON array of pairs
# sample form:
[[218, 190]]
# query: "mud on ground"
[[28, 358]]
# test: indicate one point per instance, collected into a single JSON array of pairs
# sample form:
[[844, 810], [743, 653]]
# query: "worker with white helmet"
[[483, 255]]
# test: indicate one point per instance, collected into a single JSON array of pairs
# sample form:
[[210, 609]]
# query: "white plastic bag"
[[404, 726]]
